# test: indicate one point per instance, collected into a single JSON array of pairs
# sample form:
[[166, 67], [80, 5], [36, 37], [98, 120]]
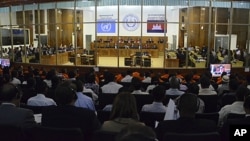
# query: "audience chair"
[[234, 116], [105, 99], [41, 133], [211, 103], [211, 136], [11, 133], [104, 136], [150, 118], [103, 115], [35, 109], [142, 99], [210, 116], [227, 99]]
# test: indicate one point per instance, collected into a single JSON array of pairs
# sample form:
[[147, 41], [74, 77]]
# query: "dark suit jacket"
[[185, 125], [71, 117], [14, 116], [225, 130]]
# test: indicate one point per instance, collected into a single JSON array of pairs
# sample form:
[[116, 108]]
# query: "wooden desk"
[[60, 58], [171, 63]]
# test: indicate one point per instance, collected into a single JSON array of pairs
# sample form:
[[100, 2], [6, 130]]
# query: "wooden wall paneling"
[[41, 23], [67, 26], [51, 27]]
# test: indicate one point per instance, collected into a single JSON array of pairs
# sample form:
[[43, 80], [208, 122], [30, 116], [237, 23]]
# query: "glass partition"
[[125, 33]]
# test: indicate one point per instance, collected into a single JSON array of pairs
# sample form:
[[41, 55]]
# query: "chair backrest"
[[35, 109], [103, 115], [209, 116], [234, 115], [211, 103], [227, 99], [211, 136], [168, 97], [11, 133], [142, 99], [41, 133], [150, 118], [104, 136], [105, 99]]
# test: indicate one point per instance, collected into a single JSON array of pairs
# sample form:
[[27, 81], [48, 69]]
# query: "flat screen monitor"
[[218, 69], [5, 62]]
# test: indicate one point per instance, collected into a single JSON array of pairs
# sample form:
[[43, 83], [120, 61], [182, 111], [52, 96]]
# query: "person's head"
[[225, 79], [65, 93], [174, 82], [109, 77], [205, 82], [233, 84], [136, 132], [247, 105], [10, 93], [242, 92], [155, 80], [90, 78], [79, 85], [124, 106], [187, 105], [136, 83], [159, 93], [71, 74], [41, 87], [193, 88]]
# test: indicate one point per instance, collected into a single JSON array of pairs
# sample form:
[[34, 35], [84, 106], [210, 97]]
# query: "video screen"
[[5, 62], [218, 69]]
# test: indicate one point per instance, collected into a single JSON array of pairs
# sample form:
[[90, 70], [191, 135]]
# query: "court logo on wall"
[[106, 25], [155, 23], [131, 22]]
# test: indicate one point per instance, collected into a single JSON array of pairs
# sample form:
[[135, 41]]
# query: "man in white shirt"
[[128, 77], [137, 85], [236, 107], [40, 99], [111, 87], [205, 90], [157, 105]]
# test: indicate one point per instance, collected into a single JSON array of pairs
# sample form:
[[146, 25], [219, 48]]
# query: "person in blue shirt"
[[82, 100]]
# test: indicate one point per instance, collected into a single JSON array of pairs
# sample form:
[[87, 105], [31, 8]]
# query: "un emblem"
[[131, 22], [106, 27]]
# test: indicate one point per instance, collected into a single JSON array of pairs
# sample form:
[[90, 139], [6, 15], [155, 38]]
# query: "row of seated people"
[[124, 112]]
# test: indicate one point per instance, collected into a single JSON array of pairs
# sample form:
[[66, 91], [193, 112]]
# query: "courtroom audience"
[[235, 107], [157, 105], [123, 113], [40, 99], [66, 115], [90, 82], [83, 100], [111, 86], [14, 78], [205, 86], [186, 123], [174, 89], [225, 130], [10, 113], [128, 77], [224, 86], [136, 85]]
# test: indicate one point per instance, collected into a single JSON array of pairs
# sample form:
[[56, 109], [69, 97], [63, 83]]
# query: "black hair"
[[159, 93], [65, 93], [8, 92]]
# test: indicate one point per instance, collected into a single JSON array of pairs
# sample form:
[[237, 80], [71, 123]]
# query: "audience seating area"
[[213, 104]]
